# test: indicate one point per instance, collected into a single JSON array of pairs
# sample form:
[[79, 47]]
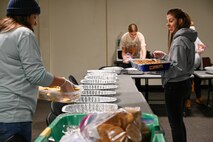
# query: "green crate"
[[55, 129]]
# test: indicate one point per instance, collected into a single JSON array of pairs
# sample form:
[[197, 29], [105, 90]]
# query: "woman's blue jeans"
[[9, 129], [175, 94]]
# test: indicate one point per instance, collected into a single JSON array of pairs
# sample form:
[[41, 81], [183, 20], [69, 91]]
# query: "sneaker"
[[188, 104], [200, 101]]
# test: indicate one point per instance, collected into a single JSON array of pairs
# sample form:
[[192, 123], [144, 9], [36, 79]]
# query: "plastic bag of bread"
[[122, 125]]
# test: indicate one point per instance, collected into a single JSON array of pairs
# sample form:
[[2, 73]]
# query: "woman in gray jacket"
[[21, 70], [176, 80]]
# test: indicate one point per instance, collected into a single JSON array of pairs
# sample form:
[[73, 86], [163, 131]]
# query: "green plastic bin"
[[54, 130]]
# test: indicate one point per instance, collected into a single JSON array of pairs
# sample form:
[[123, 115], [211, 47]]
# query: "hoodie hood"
[[188, 33]]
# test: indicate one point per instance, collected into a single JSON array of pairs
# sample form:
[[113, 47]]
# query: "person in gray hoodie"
[[176, 80]]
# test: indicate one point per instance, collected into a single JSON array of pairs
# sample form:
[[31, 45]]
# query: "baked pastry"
[[110, 133], [121, 119], [133, 133], [136, 112], [123, 125], [147, 61], [54, 88]]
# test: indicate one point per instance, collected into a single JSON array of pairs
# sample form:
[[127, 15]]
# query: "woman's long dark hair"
[[183, 21], [12, 22]]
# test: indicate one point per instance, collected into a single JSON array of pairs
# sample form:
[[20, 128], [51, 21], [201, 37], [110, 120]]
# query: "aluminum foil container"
[[96, 99], [101, 71], [98, 87], [116, 69], [97, 92], [98, 81], [209, 69], [101, 77], [89, 108], [133, 71]]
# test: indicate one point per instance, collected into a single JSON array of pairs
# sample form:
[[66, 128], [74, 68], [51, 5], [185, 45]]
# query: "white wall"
[[77, 35]]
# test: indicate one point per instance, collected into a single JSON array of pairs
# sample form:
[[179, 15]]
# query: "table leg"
[[138, 84], [209, 93], [147, 89]]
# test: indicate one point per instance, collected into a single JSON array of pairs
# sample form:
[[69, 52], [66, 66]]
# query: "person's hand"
[[201, 48], [127, 58], [68, 86], [158, 54], [70, 90]]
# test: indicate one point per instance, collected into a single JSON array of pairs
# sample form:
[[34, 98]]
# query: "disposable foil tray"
[[97, 92], [107, 74], [133, 71], [210, 72], [101, 77], [115, 68], [158, 66], [89, 108], [97, 81], [99, 87], [95, 99], [209, 69], [101, 71]]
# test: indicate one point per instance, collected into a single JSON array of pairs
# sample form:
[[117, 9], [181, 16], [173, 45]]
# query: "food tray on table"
[[99, 87], [210, 72], [96, 99], [150, 64], [115, 68], [97, 92], [89, 108], [209, 69], [57, 128], [97, 81], [132, 71]]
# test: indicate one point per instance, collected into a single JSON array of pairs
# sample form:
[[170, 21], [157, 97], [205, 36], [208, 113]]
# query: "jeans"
[[197, 86], [9, 129], [175, 95]]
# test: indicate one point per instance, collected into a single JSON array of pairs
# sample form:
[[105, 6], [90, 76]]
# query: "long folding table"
[[146, 77], [128, 94], [204, 75]]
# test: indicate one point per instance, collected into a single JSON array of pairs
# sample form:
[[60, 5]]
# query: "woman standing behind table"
[[133, 45], [21, 70], [199, 49], [176, 80]]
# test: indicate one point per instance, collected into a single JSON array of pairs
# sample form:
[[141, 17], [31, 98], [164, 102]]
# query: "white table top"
[[128, 95], [147, 75], [203, 74]]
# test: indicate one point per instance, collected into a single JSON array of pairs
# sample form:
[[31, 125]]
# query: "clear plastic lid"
[[54, 94]]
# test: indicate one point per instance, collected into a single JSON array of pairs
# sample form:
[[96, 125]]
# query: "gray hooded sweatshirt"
[[181, 55]]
